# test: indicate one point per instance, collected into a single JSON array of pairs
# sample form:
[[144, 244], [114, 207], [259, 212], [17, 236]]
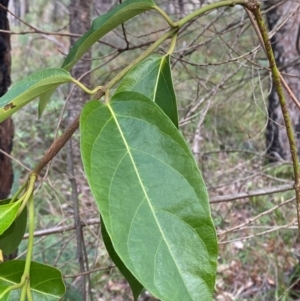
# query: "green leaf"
[[45, 281], [43, 101], [135, 286], [12, 237], [30, 88], [152, 78], [104, 24], [151, 196], [8, 213]]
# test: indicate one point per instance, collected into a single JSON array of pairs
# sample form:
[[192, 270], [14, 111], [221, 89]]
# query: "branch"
[[258, 192], [56, 146], [273, 229], [88, 272], [211, 7], [76, 215], [253, 219], [277, 81], [55, 230]]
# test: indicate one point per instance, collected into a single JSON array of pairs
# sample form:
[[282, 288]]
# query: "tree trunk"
[[285, 44], [181, 8], [26, 6], [17, 12], [6, 127]]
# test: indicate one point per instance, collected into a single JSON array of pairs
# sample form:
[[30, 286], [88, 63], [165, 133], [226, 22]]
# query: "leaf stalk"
[[85, 89], [173, 44], [165, 16]]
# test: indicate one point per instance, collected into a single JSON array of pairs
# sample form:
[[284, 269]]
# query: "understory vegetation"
[[222, 83]]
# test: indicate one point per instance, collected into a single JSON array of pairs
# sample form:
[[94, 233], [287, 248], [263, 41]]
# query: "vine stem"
[[26, 274], [277, 82], [84, 88], [25, 281], [165, 16], [208, 8]]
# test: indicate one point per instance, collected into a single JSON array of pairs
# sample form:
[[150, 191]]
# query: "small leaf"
[[8, 213], [135, 286], [43, 101], [45, 281], [104, 24], [151, 196], [153, 78], [30, 88], [12, 237]]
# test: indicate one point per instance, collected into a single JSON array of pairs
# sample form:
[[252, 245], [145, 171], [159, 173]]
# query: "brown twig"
[[273, 229], [258, 192], [57, 145], [89, 272], [50, 33], [253, 219], [62, 229], [76, 215]]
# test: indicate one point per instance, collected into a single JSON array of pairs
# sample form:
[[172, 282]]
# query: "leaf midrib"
[[144, 191], [157, 78]]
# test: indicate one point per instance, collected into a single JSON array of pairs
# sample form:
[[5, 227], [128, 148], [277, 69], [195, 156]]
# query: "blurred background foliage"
[[222, 84]]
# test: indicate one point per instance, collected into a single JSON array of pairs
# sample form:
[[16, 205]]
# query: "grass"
[[230, 99]]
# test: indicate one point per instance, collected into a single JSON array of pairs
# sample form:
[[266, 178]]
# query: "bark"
[[285, 44], [181, 8], [6, 127], [26, 6], [17, 11]]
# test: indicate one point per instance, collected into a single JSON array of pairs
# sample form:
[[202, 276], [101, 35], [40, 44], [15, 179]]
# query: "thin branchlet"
[[277, 82]]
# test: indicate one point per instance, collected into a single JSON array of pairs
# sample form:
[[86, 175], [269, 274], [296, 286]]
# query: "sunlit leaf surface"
[[152, 78], [151, 196]]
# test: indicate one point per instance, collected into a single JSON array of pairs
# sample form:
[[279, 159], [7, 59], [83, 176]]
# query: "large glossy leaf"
[[104, 24], [135, 286], [8, 213], [45, 281], [152, 78], [30, 88], [151, 196], [12, 237]]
